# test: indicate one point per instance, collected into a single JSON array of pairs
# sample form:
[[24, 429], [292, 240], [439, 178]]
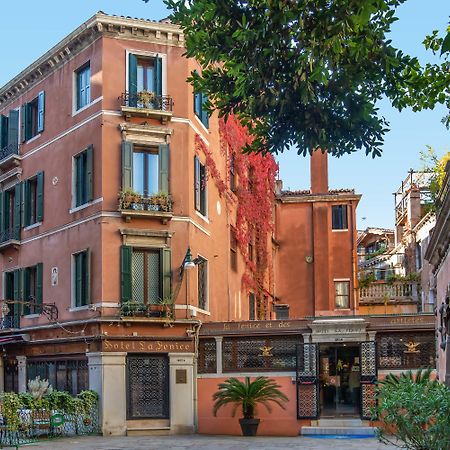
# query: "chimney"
[[319, 172]]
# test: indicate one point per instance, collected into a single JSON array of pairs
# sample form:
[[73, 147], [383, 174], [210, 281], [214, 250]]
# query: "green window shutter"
[[198, 104], [26, 290], [78, 279], [89, 173], [164, 168], [40, 197], [132, 80], [17, 210], [24, 202], [28, 122], [126, 254], [2, 216], [204, 112], [87, 277], [41, 112], [13, 129], [203, 178], [158, 76], [127, 165], [196, 183], [23, 122], [79, 180], [39, 280], [3, 131], [18, 290], [166, 258]]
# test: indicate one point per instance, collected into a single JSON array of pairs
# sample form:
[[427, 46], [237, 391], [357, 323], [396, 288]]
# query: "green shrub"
[[414, 412]]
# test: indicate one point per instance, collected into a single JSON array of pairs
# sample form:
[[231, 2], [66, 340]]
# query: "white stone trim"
[[33, 225], [75, 112], [86, 205], [188, 219]]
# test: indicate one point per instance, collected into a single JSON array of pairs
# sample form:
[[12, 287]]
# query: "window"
[[200, 100], [33, 195], [83, 177], [9, 133], [202, 283], [281, 312], [342, 290], [339, 217], [146, 274], [33, 117], [418, 256], [233, 249], [10, 213], [83, 86], [144, 75], [145, 170], [81, 278], [251, 306], [33, 289], [65, 375], [200, 187]]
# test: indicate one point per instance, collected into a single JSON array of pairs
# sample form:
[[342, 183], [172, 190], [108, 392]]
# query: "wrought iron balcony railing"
[[10, 234], [156, 310], [137, 202], [11, 149], [147, 100], [9, 322]]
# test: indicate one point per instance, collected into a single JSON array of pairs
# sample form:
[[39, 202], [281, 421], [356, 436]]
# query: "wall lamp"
[[188, 262]]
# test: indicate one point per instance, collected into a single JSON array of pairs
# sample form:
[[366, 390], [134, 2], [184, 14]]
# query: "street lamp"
[[188, 262]]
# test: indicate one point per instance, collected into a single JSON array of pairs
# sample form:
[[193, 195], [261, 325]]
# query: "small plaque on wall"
[[181, 376]]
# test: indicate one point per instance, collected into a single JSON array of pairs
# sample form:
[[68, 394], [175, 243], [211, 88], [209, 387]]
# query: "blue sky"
[[30, 28]]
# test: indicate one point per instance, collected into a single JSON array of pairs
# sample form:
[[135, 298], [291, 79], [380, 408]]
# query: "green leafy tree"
[[414, 411], [247, 394], [305, 74], [436, 167]]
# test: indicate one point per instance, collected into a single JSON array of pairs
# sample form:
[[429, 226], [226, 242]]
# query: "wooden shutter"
[[39, 280], [23, 121], [196, 183], [204, 112], [40, 197], [2, 216], [166, 258], [26, 290], [127, 165], [24, 201], [41, 112], [78, 278], [90, 173], [3, 131], [87, 274], [27, 119], [203, 191], [125, 273], [132, 80], [164, 168], [198, 104], [17, 210], [18, 290], [158, 76], [13, 129]]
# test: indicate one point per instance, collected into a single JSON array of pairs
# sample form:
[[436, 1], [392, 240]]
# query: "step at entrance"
[[339, 427]]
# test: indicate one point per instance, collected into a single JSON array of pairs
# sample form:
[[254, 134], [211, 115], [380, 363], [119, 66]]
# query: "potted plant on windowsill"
[[247, 394]]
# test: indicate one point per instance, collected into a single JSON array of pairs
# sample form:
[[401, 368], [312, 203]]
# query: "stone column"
[[2, 375], [219, 364], [182, 393], [107, 378], [22, 373]]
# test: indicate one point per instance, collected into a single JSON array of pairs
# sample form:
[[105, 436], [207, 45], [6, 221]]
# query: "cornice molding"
[[99, 25], [309, 198]]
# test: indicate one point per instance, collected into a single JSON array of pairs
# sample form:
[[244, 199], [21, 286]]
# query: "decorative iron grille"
[[207, 358], [307, 381], [147, 100], [406, 350], [11, 149], [148, 387], [369, 375], [260, 353]]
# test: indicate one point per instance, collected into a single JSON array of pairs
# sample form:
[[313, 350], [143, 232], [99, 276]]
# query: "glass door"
[[339, 380]]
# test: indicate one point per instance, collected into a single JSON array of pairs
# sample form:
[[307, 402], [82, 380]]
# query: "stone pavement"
[[198, 442]]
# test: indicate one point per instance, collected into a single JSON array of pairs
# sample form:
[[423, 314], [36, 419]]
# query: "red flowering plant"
[[254, 197]]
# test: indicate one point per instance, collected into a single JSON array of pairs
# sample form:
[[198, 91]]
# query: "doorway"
[[340, 386]]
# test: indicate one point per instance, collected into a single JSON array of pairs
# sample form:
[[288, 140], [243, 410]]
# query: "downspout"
[[196, 328], [353, 260]]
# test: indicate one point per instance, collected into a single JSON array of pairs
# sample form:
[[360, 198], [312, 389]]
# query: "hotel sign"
[[338, 330], [142, 346]]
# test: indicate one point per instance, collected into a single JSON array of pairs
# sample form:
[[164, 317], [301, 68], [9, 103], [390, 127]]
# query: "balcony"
[[134, 309], [379, 293], [9, 157], [158, 206], [8, 321], [147, 104], [9, 238]]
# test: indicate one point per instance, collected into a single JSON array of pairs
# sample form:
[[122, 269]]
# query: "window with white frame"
[[83, 86], [202, 283], [342, 294]]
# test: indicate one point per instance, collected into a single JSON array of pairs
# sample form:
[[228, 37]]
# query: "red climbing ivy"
[[254, 197]]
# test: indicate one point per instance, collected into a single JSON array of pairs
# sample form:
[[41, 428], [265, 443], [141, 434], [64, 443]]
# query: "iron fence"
[[147, 100]]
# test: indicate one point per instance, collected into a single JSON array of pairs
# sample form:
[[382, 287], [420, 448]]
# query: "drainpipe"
[[196, 328]]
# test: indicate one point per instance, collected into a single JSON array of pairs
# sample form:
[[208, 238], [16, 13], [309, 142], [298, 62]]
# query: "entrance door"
[[339, 380]]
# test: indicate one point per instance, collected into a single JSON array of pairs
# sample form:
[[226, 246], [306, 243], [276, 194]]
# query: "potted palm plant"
[[247, 394]]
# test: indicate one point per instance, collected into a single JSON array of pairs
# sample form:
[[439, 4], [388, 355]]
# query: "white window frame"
[[342, 280], [76, 111], [207, 284]]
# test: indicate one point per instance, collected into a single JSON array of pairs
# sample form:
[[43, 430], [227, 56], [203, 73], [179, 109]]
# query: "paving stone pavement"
[[198, 442]]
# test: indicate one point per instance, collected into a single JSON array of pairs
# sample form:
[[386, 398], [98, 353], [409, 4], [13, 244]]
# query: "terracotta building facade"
[[126, 266]]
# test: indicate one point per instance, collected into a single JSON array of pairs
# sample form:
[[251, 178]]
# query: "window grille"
[[263, 353], [207, 360], [406, 350]]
